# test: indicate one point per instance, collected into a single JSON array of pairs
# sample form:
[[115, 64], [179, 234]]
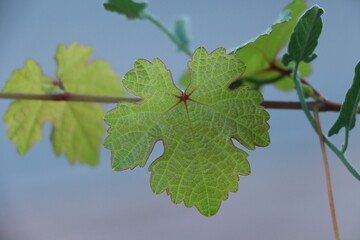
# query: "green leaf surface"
[[200, 164], [77, 128], [260, 55], [305, 37], [129, 8], [347, 115]]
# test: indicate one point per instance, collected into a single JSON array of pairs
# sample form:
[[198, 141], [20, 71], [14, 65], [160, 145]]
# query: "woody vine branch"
[[322, 106]]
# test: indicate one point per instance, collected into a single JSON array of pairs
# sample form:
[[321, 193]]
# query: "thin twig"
[[327, 175], [321, 106], [68, 97]]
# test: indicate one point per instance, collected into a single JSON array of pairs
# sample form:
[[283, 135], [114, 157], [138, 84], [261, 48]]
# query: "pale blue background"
[[43, 198]]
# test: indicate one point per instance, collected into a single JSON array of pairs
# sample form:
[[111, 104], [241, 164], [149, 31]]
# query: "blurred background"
[[42, 197]]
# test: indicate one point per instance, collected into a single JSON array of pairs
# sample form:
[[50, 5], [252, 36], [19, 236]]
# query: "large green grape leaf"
[[77, 128], [260, 55], [200, 164]]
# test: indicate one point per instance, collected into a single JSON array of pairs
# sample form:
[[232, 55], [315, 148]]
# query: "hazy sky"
[[42, 197]]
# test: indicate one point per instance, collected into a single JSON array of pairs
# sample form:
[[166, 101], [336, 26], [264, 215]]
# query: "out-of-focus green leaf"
[[24, 119], [77, 127], [182, 31], [287, 83], [80, 76], [260, 55], [129, 8]]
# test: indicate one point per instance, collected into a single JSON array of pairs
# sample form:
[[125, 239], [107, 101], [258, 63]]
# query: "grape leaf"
[[305, 37], [81, 77], [77, 131], [200, 164], [348, 110], [24, 118], [260, 55], [129, 8], [76, 127]]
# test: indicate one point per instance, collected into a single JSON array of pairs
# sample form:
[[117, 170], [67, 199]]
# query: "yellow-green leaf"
[[260, 55], [77, 128]]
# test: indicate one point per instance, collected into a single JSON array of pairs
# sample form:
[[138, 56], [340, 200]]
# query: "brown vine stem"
[[68, 97], [321, 106], [327, 175]]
